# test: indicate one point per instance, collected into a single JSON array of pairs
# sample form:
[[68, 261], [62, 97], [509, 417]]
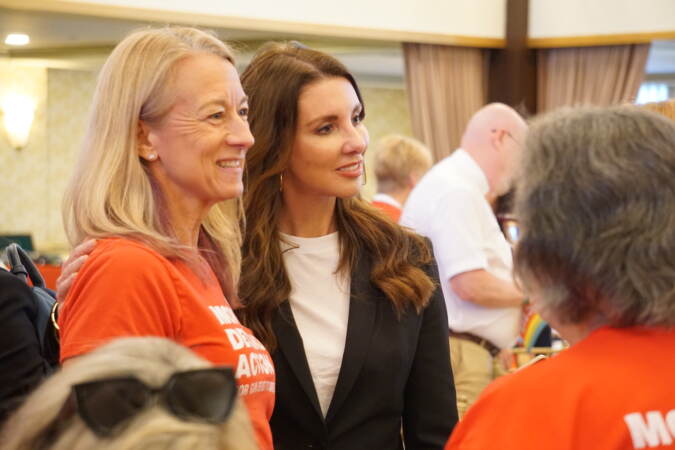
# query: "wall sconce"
[[18, 112]]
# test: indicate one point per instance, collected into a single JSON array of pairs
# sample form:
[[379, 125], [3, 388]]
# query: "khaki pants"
[[473, 369]]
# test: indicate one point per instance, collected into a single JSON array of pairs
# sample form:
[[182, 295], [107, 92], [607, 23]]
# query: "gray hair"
[[151, 359], [596, 203]]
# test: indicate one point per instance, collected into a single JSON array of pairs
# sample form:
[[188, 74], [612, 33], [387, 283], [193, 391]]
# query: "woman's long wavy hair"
[[274, 80], [111, 192]]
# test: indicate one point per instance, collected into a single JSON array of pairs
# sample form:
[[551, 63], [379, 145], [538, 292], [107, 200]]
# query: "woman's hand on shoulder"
[[71, 266]]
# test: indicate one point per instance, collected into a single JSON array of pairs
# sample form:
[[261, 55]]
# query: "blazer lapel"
[[290, 343], [360, 327]]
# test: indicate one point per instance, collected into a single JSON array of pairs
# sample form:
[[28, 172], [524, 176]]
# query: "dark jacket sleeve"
[[21, 364], [430, 412]]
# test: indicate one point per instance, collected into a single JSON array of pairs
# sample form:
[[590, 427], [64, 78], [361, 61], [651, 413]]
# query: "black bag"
[[22, 266]]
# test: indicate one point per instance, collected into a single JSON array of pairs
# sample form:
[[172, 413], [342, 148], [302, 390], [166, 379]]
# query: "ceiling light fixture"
[[17, 39]]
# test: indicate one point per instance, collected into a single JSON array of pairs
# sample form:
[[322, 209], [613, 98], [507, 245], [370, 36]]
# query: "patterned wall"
[[32, 180], [69, 97], [23, 173], [386, 112]]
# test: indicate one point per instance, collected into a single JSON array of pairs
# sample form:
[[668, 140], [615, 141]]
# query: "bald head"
[[493, 138]]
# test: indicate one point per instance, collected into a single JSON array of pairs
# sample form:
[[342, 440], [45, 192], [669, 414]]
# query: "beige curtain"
[[589, 75], [446, 85]]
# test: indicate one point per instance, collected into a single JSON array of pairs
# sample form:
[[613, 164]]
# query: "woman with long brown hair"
[[346, 301]]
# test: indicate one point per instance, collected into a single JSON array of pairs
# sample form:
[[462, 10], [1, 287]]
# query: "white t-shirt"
[[448, 206], [319, 300]]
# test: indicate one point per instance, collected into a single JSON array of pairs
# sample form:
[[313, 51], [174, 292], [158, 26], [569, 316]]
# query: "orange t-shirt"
[[613, 390], [392, 211], [127, 289]]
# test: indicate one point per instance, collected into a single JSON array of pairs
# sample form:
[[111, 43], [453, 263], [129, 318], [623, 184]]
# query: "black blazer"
[[395, 374]]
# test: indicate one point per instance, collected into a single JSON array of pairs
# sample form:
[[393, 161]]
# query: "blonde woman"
[[54, 417], [157, 185], [400, 162]]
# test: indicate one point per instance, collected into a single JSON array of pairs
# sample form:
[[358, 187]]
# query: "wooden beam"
[[513, 69]]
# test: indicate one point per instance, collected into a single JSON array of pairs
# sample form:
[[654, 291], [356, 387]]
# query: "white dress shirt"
[[449, 207]]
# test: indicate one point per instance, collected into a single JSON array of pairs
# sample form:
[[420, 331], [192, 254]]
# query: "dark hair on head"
[[596, 206], [274, 80]]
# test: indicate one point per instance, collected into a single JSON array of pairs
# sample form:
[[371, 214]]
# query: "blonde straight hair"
[[396, 158], [40, 424], [111, 192]]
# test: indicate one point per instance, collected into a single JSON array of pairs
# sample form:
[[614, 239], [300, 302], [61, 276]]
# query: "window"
[[652, 92]]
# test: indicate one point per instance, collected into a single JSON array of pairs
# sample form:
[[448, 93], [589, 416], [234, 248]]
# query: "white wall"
[[469, 18], [474, 18], [568, 18]]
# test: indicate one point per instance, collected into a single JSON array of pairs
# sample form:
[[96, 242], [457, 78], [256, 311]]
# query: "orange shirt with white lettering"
[[127, 289], [613, 390]]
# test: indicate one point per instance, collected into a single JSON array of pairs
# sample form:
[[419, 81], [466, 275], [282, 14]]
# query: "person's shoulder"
[[125, 255], [522, 393], [9, 279], [526, 381], [439, 192], [508, 409], [446, 179], [419, 245], [124, 268], [120, 248], [13, 287]]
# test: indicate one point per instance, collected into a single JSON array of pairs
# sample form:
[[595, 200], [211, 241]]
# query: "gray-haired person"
[[596, 203]]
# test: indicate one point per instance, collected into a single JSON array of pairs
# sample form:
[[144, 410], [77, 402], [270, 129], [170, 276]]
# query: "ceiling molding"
[[242, 23], [599, 39]]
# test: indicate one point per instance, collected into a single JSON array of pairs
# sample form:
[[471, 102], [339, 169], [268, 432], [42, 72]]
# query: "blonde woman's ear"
[[145, 147]]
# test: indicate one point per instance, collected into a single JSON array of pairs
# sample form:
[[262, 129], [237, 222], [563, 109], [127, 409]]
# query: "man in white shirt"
[[400, 162], [450, 206]]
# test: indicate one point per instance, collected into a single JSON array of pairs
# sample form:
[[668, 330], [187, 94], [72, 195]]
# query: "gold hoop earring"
[[365, 175], [281, 182]]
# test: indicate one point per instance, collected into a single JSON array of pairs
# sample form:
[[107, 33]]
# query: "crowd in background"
[[230, 288]]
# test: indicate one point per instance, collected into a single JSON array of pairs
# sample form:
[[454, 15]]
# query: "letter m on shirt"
[[651, 429]]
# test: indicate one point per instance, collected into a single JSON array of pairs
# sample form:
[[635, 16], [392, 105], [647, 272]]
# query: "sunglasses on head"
[[203, 395]]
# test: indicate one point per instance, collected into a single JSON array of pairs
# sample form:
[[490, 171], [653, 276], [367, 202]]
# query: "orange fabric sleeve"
[[122, 290]]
